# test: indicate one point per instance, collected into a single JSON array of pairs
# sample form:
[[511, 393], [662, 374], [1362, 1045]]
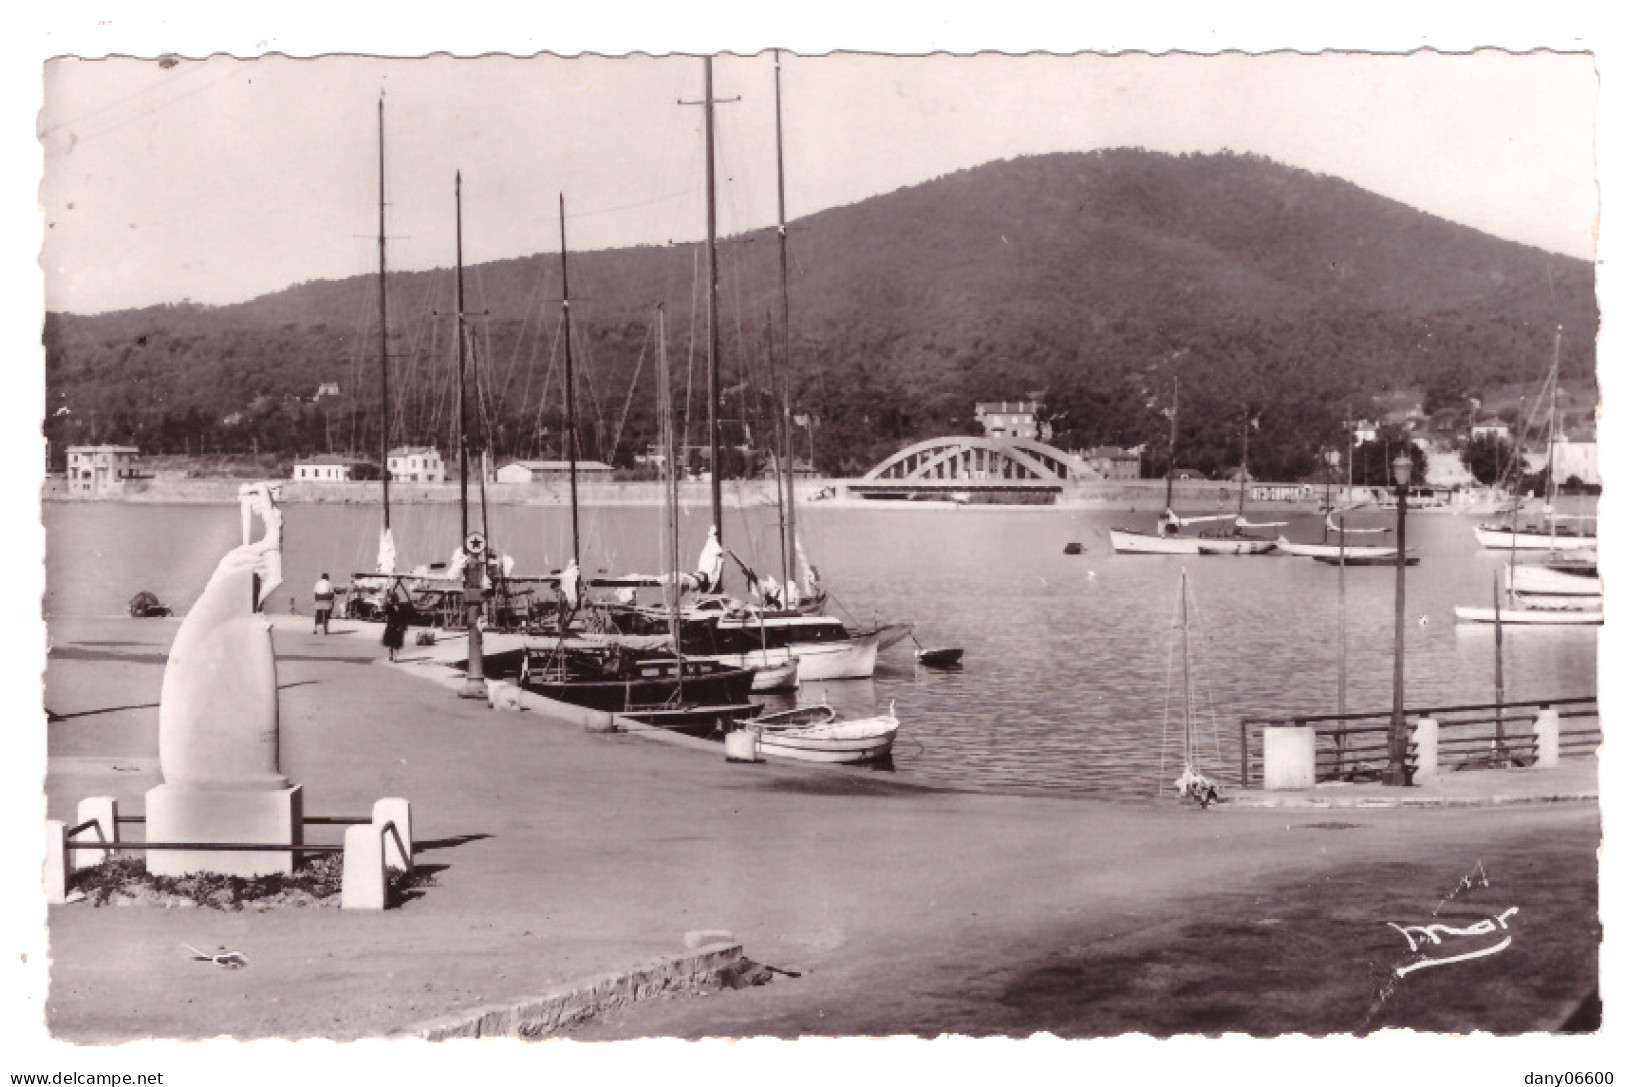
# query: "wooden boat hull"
[[1545, 602], [851, 742], [1531, 616], [940, 658], [776, 669], [1331, 551], [1390, 559], [1546, 581], [799, 717], [1502, 539], [1129, 542], [854, 659]]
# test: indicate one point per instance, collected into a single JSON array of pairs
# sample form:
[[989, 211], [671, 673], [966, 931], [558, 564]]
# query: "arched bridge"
[[967, 464]]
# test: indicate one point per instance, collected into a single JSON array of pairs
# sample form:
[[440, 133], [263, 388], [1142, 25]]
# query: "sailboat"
[[823, 646], [1192, 783], [657, 685], [1551, 537], [1168, 538]]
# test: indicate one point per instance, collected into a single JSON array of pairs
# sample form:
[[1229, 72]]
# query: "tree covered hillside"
[[1272, 293]]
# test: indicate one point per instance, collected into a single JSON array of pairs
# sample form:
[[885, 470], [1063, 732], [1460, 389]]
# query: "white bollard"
[[56, 861], [1426, 736], [104, 810], [397, 853], [743, 745], [363, 884], [1546, 736], [1289, 757]]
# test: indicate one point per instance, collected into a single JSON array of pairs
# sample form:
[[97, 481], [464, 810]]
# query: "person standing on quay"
[[324, 603], [396, 616]]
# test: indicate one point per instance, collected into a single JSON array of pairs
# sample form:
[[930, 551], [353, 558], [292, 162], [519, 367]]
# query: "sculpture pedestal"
[[186, 813]]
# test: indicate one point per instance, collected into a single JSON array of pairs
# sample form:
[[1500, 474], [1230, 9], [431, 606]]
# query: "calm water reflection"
[[1069, 660]]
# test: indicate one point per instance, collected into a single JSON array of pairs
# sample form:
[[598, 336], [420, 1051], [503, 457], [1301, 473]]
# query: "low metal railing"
[[1354, 746]]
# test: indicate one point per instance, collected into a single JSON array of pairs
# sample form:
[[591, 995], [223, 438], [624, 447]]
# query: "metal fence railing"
[[1354, 746]]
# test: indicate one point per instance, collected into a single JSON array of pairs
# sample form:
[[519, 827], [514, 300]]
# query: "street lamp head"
[[1402, 470]]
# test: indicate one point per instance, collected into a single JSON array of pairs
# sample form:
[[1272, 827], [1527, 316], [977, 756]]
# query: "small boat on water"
[[1533, 538], [692, 695], [1552, 581], [1390, 557], [944, 659], [1531, 616], [826, 738], [1167, 540]]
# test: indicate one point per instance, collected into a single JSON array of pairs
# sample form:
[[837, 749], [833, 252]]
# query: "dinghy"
[[868, 739]]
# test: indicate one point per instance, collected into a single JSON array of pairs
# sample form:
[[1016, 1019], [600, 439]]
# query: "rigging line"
[[1205, 682], [693, 315], [547, 383], [146, 111], [631, 388], [1167, 706], [532, 308]]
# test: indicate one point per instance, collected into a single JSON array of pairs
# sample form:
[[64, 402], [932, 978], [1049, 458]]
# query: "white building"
[[1575, 457], [1011, 419], [416, 464], [552, 471], [100, 469], [330, 468]]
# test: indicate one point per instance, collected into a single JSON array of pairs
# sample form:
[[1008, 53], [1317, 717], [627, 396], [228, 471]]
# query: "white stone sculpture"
[[218, 729]]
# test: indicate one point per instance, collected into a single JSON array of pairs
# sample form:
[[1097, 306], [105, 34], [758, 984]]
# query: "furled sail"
[[386, 551]]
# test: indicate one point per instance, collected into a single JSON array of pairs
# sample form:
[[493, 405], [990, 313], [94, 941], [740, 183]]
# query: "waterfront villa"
[[416, 464], [96, 470]]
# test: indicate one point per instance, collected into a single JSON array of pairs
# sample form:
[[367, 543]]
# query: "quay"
[[564, 859]]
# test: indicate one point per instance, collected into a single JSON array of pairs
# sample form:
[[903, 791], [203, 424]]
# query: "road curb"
[[573, 1002]]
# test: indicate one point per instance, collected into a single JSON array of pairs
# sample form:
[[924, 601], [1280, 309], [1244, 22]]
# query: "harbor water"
[[1073, 675]]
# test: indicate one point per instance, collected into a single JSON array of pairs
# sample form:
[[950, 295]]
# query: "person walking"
[[396, 616], [324, 604]]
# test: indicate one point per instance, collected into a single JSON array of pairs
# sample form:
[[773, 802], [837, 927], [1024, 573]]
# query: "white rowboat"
[[866, 740], [1531, 616]]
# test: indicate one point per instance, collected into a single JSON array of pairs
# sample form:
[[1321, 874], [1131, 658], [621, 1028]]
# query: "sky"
[[219, 179]]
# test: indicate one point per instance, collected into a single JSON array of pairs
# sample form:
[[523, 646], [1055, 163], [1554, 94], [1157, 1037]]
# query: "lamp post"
[[1398, 734]]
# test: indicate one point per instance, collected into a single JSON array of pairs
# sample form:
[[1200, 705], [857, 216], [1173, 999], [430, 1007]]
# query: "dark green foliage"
[[1492, 458], [1271, 292]]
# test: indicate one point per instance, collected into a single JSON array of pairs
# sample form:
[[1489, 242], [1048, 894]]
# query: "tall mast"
[[788, 457], [1173, 435], [383, 323], [713, 342], [1551, 436], [569, 390], [1241, 497], [462, 370], [668, 448]]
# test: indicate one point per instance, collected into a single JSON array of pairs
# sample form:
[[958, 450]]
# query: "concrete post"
[[1289, 757], [1546, 736], [363, 883], [104, 810], [743, 745], [56, 862], [1426, 735], [397, 853]]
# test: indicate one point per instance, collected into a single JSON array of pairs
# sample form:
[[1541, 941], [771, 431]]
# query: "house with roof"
[[416, 464], [1111, 462], [554, 471], [334, 468], [1011, 419], [96, 470], [1574, 453]]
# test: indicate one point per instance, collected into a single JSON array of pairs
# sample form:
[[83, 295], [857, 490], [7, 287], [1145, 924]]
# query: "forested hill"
[[1270, 291]]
